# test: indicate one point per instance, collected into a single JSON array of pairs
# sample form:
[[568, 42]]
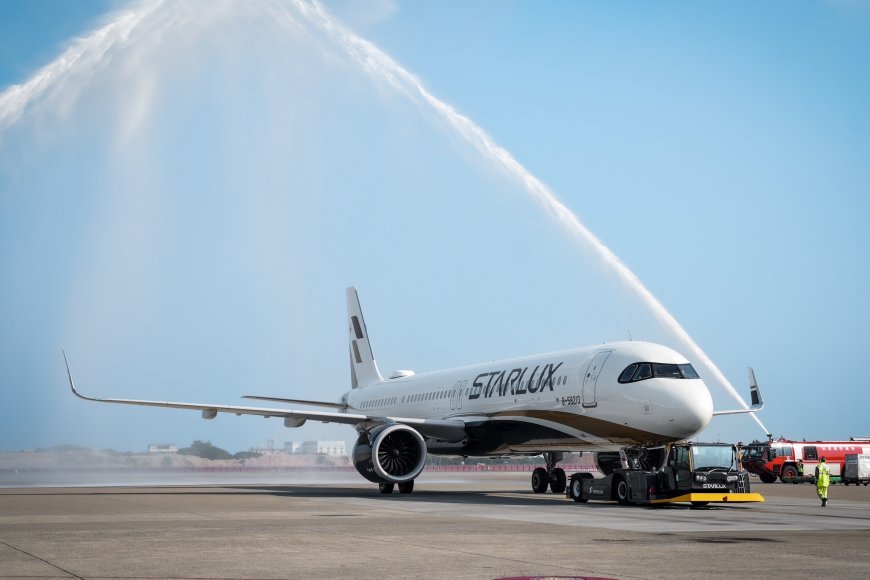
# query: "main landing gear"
[[551, 476], [405, 487]]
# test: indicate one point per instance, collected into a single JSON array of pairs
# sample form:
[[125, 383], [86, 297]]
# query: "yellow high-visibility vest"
[[823, 475]]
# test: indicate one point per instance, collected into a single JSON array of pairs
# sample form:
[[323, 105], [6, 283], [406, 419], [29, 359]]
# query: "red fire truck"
[[779, 458]]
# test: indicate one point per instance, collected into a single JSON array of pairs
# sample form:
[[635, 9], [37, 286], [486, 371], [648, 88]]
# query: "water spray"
[[92, 49], [85, 52], [378, 64]]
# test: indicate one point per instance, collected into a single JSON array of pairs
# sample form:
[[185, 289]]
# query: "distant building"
[[308, 448], [162, 448], [268, 451], [331, 448]]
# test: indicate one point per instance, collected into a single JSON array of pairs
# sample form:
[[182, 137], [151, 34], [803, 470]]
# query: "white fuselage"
[[569, 400]]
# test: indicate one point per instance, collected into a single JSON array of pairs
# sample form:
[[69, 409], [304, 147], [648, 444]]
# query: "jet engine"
[[390, 454]]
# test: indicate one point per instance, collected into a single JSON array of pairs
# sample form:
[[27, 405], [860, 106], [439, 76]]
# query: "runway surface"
[[469, 525]]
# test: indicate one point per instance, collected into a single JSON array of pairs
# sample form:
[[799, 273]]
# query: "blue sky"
[[184, 213]]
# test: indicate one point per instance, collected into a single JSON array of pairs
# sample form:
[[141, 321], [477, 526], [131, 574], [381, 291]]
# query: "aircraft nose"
[[696, 409]]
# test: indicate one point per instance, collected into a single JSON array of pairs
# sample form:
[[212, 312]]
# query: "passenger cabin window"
[[640, 371]]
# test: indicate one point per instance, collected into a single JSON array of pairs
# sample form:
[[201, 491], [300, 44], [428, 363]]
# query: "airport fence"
[[570, 468]]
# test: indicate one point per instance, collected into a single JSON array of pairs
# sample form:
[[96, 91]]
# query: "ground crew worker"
[[800, 467], [823, 479]]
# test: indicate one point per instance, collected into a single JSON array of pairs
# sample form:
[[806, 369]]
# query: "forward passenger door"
[[590, 379]]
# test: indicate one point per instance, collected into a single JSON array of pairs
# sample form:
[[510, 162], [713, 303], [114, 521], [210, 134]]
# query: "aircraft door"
[[456, 397], [590, 379]]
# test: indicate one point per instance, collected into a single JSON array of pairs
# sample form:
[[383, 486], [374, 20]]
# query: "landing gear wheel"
[[406, 487], [557, 480], [386, 488], [767, 478], [620, 490], [540, 480], [576, 488]]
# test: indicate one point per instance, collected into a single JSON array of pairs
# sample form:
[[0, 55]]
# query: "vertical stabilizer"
[[363, 368]]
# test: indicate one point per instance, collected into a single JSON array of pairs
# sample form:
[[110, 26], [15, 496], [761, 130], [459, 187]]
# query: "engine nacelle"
[[390, 454]]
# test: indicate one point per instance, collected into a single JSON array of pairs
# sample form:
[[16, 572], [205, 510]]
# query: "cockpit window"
[[669, 371], [627, 373], [688, 371], [643, 370]]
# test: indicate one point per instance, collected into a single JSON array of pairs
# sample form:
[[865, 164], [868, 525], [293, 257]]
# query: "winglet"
[[72, 383], [754, 392], [754, 396]]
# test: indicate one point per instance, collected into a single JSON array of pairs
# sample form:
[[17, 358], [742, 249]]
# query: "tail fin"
[[363, 368]]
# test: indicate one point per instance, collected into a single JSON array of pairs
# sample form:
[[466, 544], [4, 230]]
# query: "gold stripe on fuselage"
[[613, 432]]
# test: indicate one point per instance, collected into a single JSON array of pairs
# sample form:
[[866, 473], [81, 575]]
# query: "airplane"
[[623, 401]]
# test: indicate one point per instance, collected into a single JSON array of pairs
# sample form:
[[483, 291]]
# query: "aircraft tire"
[[406, 487], [557, 480], [767, 478], [386, 488], [576, 488], [540, 480]]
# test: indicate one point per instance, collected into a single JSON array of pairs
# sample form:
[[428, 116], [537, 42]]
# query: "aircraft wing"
[[448, 430], [341, 406]]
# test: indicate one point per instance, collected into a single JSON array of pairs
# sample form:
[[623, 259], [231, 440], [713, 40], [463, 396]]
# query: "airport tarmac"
[[454, 525]]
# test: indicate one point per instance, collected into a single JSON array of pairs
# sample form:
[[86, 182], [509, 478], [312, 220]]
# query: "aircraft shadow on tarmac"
[[477, 497], [491, 497]]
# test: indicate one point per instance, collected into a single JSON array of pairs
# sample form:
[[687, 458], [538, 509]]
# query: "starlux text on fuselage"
[[501, 383]]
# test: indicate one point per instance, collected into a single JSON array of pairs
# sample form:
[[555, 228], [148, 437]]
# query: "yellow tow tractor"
[[694, 473]]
